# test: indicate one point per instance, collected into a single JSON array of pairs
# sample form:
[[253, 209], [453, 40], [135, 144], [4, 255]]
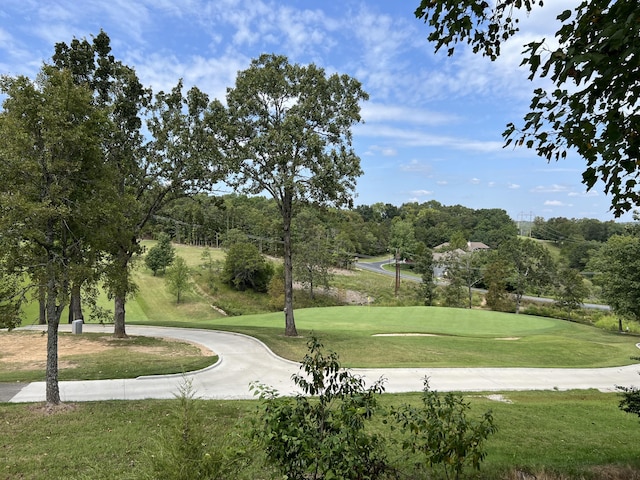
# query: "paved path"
[[244, 359]]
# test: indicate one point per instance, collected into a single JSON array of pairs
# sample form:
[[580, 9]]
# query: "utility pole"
[[397, 274]]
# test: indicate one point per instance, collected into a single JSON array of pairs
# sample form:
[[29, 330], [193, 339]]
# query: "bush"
[[630, 402], [440, 431], [246, 268], [323, 437]]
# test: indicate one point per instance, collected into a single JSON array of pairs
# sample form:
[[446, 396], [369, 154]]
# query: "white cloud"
[[590, 193], [416, 166], [417, 138], [557, 203], [513, 186], [421, 193], [475, 181], [211, 75], [555, 188], [385, 151], [377, 112], [442, 182]]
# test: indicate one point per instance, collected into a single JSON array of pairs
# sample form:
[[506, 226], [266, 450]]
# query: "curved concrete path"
[[244, 359]]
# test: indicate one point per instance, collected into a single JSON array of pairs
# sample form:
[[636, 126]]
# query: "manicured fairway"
[[456, 337]]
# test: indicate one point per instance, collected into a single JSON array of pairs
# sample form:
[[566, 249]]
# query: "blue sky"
[[433, 123]]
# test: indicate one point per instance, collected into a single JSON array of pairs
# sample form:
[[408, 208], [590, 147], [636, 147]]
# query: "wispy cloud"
[[555, 188], [419, 138], [416, 166], [376, 112], [422, 193], [556, 203], [590, 193]]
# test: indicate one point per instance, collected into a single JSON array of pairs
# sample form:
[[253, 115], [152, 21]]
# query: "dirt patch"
[[508, 338], [50, 409], [28, 351]]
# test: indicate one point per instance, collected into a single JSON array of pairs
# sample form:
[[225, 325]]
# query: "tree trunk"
[[287, 213], [42, 303], [53, 320], [119, 317], [518, 299], [75, 304], [121, 290], [397, 287]]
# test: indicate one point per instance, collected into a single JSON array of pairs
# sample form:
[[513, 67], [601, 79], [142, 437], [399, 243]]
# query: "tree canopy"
[[288, 133], [594, 107], [617, 267], [54, 190]]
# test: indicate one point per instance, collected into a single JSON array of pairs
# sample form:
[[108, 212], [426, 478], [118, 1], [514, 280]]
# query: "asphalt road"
[[243, 360], [378, 267]]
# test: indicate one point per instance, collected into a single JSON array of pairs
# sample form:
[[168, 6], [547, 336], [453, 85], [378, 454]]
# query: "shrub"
[[322, 437], [440, 431], [246, 268], [185, 451], [630, 401]]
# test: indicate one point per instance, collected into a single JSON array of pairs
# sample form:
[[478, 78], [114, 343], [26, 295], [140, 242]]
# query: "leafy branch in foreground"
[[593, 106]]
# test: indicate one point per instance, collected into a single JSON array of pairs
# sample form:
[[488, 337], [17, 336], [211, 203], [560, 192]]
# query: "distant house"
[[475, 246], [442, 251], [471, 247]]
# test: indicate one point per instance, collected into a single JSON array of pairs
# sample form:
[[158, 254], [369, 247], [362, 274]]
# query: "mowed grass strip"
[[569, 434], [95, 356]]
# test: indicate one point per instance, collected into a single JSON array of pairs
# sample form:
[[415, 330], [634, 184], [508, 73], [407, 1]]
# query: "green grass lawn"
[[573, 434], [105, 357], [462, 338], [570, 433]]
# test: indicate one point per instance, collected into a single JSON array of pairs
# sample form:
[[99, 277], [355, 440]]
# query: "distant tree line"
[[365, 229]]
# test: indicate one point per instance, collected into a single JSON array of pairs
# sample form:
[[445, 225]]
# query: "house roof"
[[471, 246]]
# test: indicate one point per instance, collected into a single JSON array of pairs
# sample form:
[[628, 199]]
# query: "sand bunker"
[[405, 335]]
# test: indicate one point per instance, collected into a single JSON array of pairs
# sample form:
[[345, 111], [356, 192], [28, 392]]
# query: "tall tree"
[[54, 189], [178, 278], [495, 279], [465, 268], [531, 267], [161, 255], [289, 135], [594, 105], [402, 244], [425, 265], [571, 290], [177, 158], [312, 255], [617, 267]]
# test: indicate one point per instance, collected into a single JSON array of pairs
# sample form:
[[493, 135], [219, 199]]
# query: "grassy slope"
[[465, 338], [567, 432]]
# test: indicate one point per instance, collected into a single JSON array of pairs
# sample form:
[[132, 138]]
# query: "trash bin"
[[76, 326]]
